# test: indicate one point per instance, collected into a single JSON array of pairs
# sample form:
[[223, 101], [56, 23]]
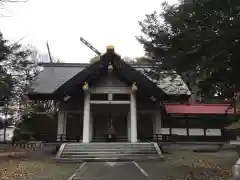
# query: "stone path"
[[176, 166], [110, 171]]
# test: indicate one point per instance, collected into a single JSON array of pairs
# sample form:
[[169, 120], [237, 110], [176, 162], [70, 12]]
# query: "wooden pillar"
[[187, 126], [62, 122], [133, 115], [170, 127], [129, 127], [86, 118]]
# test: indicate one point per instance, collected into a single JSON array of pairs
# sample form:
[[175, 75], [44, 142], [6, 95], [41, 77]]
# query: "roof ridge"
[[64, 64], [46, 64]]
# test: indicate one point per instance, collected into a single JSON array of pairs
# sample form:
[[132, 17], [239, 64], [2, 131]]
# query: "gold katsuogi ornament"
[[85, 86], [134, 86], [110, 47]]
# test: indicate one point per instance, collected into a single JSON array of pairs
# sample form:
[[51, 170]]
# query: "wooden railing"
[[145, 138], [20, 146]]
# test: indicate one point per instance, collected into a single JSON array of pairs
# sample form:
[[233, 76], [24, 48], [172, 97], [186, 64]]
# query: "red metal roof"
[[199, 109]]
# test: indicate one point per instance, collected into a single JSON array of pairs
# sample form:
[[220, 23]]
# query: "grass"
[[177, 165], [208, 165], [188, 165], [12, 168]]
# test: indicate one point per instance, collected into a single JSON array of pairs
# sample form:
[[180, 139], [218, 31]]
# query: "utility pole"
[[49, 53]]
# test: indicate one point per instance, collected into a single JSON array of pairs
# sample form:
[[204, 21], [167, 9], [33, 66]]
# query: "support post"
[[86, 118], [157, 124], [129, 127], [133, 112], [61, 133], [91, 128]]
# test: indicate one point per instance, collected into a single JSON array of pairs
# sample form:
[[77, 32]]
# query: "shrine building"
[[111, 97]]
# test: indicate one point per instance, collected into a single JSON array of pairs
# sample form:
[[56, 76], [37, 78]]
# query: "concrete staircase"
[[79, 152]]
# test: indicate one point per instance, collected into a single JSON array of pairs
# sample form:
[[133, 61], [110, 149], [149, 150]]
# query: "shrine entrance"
[[110, 122]]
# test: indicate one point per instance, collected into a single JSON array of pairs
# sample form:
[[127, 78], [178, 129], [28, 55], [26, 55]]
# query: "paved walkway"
[[110, 171], [178, 165]]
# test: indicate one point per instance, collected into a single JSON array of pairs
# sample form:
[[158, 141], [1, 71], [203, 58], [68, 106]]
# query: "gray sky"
[[62, 22]]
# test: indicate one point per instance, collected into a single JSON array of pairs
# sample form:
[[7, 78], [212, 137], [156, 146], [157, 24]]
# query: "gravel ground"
[[185, 165], [34, 166], [179, 165]]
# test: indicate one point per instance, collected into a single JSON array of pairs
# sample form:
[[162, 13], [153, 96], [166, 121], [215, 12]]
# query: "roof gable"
[[121, 69], [169, 81], [62, 78], [109, 81]]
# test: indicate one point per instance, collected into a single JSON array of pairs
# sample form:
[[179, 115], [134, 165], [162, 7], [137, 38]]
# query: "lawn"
[[177, 165], [188, 165], [34, 169]]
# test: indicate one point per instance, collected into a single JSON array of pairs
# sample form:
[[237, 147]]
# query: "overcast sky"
[[62, 22]]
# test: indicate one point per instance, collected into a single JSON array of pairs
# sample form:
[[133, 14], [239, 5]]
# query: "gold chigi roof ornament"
[[85, 86], [110, 48], [134, 86]]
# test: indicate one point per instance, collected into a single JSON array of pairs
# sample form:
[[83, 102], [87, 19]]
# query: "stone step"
[[114, 159], [95, 151], [145, 145], [111, 152], [105, 155], [107, 148], [109, 144], [108, 151]]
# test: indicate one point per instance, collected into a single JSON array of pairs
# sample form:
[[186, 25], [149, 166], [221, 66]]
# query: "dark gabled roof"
[[60, 79], [52, 77], [121, 69]]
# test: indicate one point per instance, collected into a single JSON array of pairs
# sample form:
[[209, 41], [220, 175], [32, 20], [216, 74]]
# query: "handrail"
[[60, 150], [158, 149]]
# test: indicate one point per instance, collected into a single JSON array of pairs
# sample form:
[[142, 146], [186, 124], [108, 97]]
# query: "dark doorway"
[[74, 126], [144, 126], [105, 114]]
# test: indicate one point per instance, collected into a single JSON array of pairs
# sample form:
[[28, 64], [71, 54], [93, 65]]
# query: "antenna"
[[49, 53]]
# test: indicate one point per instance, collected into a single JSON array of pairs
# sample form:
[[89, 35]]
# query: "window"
[[99, 97], [121, 97]]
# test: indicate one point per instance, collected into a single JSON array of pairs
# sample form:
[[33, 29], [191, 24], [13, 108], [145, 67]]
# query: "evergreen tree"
[[200, 40]]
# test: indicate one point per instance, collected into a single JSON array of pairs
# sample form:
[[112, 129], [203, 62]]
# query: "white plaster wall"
[[179, 131], [192, 132], [196, 132], [213, 132]]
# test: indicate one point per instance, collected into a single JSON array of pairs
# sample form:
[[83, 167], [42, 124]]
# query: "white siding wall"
[[192, 132]]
